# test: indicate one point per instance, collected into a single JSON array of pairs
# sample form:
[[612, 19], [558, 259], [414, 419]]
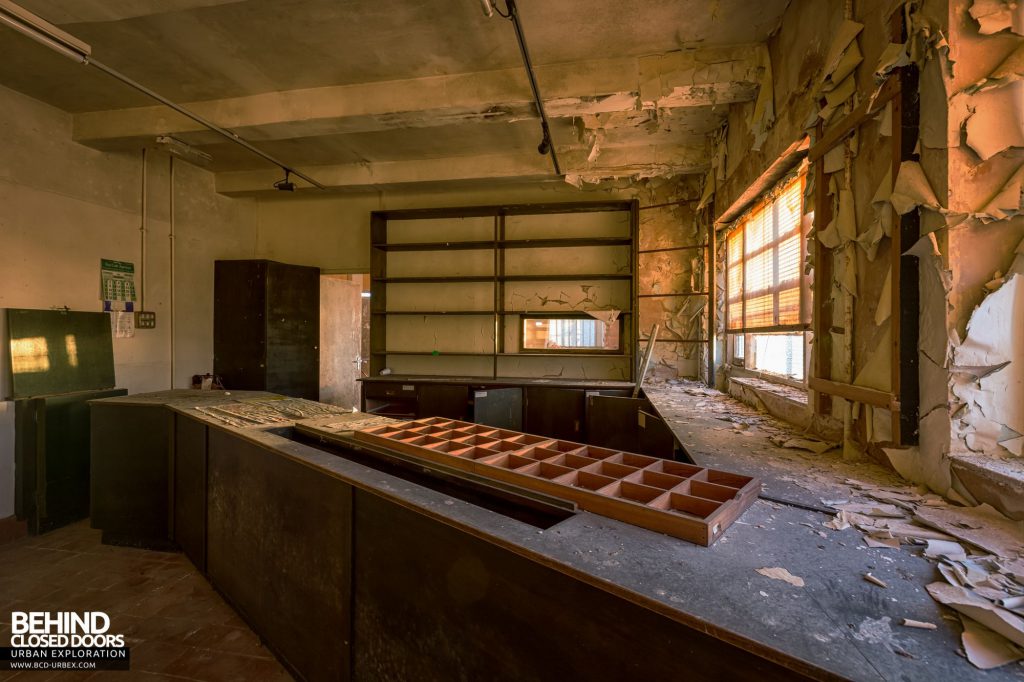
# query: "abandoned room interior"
[[512, 340]]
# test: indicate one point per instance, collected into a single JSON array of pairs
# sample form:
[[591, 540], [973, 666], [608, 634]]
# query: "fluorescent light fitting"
[[183, 150], [487, 7], [43, 32]]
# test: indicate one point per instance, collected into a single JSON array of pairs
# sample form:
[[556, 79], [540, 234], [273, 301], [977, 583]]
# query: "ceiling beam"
[[679, 79], [654, 160]]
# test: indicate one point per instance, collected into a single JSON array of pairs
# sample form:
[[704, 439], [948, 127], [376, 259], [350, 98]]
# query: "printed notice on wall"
[[117, 280], [122, 324]]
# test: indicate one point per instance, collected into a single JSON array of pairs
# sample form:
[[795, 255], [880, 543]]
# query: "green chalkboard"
[[57, 351]]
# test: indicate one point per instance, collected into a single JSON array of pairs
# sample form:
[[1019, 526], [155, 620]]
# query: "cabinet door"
[[293, 330], [655, 437], [239, 324], [499, 407], [612, 422], [438, 400], [555, 412]]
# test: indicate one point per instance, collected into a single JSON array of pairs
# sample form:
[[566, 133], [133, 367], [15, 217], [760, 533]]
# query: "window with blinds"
[[763, 264]]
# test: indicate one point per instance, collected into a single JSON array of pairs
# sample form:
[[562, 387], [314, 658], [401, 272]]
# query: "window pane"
[[735, 284], [771, 261], [789, 203], [759, 273], [735, 246], [738, 346], [735, 315], [565, 333], [789, 306], [789, 259], [758, 229], [780, 354], [761, 311]]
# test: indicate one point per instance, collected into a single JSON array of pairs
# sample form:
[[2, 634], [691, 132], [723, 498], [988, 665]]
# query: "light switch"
[[145, 319]]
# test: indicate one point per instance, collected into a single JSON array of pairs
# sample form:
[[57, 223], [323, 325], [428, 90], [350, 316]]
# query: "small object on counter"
[[919, 624], [875, 581]]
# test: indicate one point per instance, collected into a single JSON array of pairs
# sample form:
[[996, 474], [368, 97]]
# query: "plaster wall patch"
[[995, 337], [997, 123], [893, 56], [845, 34], [994, 16], [1007, 202], [912, 189]]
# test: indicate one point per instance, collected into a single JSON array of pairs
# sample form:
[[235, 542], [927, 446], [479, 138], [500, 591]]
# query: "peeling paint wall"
[[967, 186], [819, 65], [983, 238], [678, 277]]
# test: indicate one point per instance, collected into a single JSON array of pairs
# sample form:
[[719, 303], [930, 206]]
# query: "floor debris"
[[987, 649], [777, 573], [978, 552], [919, 624], [875, 581]]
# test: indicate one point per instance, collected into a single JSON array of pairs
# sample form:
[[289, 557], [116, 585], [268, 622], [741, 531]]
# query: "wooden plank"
[[652, 339], [858, 394], [821, 318], [853, 120], [905, 284], [511, 209], [711, 263]]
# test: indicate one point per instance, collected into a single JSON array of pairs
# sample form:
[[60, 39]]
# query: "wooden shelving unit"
[[402, 234]]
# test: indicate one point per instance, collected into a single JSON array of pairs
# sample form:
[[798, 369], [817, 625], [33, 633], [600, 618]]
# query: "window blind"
[[763, 262]]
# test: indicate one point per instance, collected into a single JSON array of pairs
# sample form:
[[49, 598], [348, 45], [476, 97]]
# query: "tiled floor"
[[176, 626]]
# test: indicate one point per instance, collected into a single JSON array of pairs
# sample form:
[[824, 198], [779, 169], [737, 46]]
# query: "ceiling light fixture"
[[183, 150], [285, 185], [511, 13], [42, 31], [487, 7]]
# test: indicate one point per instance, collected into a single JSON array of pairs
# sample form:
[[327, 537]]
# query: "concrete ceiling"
[[326, 84]]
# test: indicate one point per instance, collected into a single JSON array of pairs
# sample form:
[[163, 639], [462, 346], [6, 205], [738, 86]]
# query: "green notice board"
[[57, 351]]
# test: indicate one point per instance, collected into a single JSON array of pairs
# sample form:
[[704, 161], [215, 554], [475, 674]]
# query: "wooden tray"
[[686, 501]]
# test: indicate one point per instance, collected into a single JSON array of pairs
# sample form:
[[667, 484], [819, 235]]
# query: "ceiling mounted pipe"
[[546, 145], [42, 31]]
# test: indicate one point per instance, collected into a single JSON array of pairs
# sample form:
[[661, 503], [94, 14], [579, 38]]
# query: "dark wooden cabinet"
[[555, 412], [441, 400], [266, 327], [499, 407]]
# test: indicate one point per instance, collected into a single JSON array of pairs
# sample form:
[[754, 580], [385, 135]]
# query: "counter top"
[[184, 396], [554, 382], [836, 625]]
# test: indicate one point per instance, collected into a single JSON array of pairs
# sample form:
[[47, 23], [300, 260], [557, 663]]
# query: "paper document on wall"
[[122, 324]]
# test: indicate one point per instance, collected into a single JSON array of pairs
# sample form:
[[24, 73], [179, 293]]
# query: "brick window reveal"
[[764, 264]]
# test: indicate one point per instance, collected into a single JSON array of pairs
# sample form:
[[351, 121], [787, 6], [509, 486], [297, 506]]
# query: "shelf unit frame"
[[498, 245]]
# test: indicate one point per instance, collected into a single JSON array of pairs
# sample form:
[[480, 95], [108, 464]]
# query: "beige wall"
[[63, 207], [332, 231]]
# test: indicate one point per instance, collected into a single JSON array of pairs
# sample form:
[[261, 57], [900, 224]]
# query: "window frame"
[[769, 197], [744, 365], [619, 350]]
